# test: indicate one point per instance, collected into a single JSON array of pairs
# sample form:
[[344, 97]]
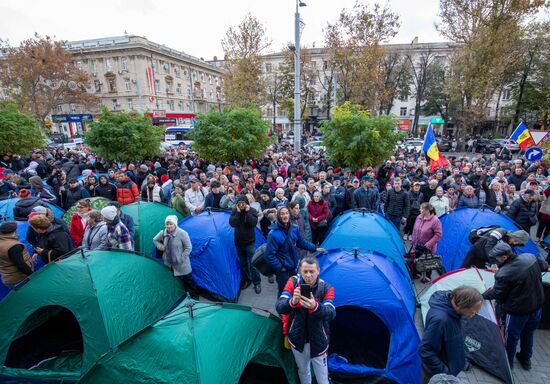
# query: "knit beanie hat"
[[172, 219], [109, 212], [8, 227], [164, 178]]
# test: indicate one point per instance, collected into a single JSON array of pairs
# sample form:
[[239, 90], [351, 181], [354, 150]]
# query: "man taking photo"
[[308, 301]]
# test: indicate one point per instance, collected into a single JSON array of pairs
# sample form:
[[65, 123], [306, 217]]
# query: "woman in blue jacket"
[[281, 252]]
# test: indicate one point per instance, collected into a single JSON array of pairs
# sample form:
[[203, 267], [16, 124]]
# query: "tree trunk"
[[522, 90]]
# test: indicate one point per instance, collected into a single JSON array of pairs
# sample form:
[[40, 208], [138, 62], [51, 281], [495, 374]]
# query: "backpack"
[[477, 233], [24, 206]]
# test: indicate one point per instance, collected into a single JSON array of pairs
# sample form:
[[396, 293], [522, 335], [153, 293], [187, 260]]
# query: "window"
[[188, 104], [115, 104], [124, 63], [178, 88], [160, 104], [216, 80], [188, 91], [166, 68], [506, 94], [403, 111], [202, 76], [111, 83], [185, 74], [180, 105], [93, 66], [59, 108], [127, 84], [72, 108], [78, 64], [97, 86], [157, 85], [109, 64], [177, 70], [209, 79], [194, 74], [211, 95], [155, 66], [403, 97], [325, 65], [268, 67], [129, 104], [170, 104]]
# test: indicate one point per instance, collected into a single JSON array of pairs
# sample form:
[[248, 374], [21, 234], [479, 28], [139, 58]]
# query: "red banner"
[[151, 87]]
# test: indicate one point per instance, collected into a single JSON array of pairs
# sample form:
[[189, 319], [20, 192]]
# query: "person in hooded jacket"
[[281, 251], [95, 235], [518, 288], [442, 346], [54, 241], [33, 238], [73, 194], [105, 189], [151, 191], [127, 191]]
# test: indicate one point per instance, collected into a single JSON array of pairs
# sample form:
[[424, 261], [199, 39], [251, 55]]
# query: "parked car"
[[443, 144], [486, 146], [512, 146], [314, 146], [414, 145]]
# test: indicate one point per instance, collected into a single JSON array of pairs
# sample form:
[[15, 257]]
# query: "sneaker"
[[525, 364], [245, 284], [258, 289], [405, 237], [425, 280], [271, 279]]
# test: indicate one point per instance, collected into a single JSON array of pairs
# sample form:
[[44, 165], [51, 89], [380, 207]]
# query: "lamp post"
[[297, 90]]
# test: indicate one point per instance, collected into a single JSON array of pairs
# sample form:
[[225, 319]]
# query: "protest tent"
[[483, 340], [7, 205], [456, 225], [369, 231], [206, 343], [63, 318], [149, 220], [373, 336], [214, 259], [96, 203]]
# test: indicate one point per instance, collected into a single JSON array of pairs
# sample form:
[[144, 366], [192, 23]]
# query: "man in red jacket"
[[127, 191]]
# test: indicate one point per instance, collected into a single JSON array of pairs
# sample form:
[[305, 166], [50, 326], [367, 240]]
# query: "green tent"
[[97, 204], [201, 343], [149, 220], [65, 316]]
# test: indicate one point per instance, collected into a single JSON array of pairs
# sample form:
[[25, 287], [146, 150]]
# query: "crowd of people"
[[292, 199]]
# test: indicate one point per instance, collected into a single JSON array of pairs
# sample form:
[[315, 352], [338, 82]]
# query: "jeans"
[[190, 286], [249, 273], [522, 329], [281, 278], [304, 361], [396, 220]]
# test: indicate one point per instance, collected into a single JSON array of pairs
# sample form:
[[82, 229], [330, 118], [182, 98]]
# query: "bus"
[[178, 135]]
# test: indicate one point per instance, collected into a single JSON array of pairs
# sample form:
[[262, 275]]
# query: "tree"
[[124, 136], [19, 132], [40, 76], [490, 33], [243, 46], [232, 134], [397, 79], [354, 51], [437, 98], [419, 67], [354, 139]]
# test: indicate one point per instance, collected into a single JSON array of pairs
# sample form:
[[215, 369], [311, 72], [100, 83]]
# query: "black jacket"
[[415, 199], [523, 213], [442, 346], [397, 203], [518, 284], [33, 238], [107, 191], [306, 325], [55, 240], [244, 224], [478, 255]]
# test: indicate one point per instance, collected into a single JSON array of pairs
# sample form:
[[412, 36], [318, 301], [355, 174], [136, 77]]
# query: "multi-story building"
[[132, 73]]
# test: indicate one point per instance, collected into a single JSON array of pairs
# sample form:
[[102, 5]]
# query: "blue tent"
[[7, 205], [214, 258], [373, 335], [22, 228], [457, 225], [369, 231]]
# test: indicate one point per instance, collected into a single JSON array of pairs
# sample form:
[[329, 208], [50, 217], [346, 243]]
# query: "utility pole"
[[297, 89]]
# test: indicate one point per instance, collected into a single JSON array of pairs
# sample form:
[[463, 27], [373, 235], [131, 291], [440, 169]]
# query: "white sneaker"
[[405, 237]]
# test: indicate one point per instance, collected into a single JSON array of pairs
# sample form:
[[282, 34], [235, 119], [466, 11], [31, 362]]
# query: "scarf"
[[169, 255]]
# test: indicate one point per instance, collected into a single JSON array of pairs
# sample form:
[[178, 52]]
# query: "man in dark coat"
[[244, 219], [397, 204], [442, 346], [524, 210], [518, 288]]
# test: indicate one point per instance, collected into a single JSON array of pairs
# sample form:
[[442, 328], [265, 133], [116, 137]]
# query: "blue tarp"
[[457, 225], [368, 231], [214, 258], [22, 228], [6, 209], [373, 333]]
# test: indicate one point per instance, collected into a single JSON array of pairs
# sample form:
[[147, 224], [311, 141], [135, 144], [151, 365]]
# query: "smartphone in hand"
[[305, 290]]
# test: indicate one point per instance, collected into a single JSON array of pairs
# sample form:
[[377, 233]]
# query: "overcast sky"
[[195, 27]]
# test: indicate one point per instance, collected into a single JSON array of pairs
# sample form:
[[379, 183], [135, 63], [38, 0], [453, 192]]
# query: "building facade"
[[131, 73]]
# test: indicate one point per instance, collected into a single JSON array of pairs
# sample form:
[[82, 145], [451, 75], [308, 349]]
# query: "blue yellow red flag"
[[522, 136], [431, 150]]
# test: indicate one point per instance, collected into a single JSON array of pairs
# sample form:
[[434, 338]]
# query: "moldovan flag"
[[430, 149], [522, 136]]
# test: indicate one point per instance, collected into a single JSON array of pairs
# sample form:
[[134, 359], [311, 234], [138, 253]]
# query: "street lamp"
[[297, 90]]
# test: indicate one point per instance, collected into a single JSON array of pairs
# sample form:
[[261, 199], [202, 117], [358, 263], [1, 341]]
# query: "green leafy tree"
[[124, 136], [232, 134], [19, 132], [354, 139]]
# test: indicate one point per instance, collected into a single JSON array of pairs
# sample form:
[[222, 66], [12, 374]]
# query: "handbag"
[[322, 224]]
